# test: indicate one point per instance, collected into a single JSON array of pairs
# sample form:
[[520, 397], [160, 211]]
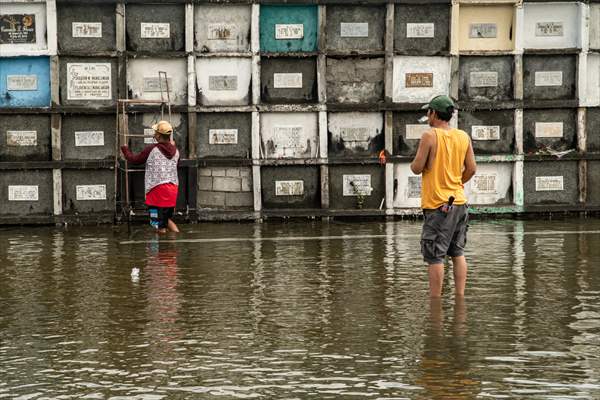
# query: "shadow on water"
[[298, 310]]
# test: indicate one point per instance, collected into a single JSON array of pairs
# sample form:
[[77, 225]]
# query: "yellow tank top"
[[444, 178]]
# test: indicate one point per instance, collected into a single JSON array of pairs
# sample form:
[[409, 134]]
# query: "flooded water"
[[298, 311]]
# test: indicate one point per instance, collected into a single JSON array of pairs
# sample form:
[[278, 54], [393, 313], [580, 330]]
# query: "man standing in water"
[[160, 181], [446, 159]]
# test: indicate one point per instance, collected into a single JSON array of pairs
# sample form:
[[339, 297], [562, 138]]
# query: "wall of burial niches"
[[283, 108]]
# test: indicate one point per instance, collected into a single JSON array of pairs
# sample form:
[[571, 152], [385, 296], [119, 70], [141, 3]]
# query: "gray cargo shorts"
[[444, 233]]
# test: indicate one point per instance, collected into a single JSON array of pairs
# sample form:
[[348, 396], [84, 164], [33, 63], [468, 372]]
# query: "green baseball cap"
[[440, 103]]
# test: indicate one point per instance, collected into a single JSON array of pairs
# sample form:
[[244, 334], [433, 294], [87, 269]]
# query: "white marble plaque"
[[415, 131], [153, 84], [548, 129], [480, 79], [548, 78], [222, 82], [549, 29], [21, 82], [149, 136], [89, 81], [483, 31], [21, 138], [485, 184], [354, 29], [354, 185], [155, 30], [221, 31], [485, 132], [355, 134], [23, 193], [89, 138], [289, 188], [289, 31], [91, 192], [549, 183], [287, 80], [290, 137], [87, 29], [414, 187], [222, 136], [420, 30]]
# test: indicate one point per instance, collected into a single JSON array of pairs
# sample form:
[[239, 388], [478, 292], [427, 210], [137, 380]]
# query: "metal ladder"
[[123, 135]]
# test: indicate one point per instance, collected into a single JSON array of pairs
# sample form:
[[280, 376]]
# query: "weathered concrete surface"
[[289, 135], [337, 199], [593, 182], [486, 78], [407, 187], [172, 14], [567, 169], [216, 130], [534, 136], [473, 39], [594, 26], [491, 185], [40, 178], [355, 80], [310, 196], [592, 129], [70, 14], [357, 28], [556, 81], [224, 81], [141, 124], [74, 92], [591, 93], [225, 187], [25, 138], [222, 27], [272, 15], [38, 40], [138, 197], [540, 37], [497, 121], [88, 137], [355, 134], [403, 145], [143, 83], [88, 192], [422, 40], [32, 73], [307, 93], [439, 67]]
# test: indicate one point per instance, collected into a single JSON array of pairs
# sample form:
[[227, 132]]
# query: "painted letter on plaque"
[[89, 81], [21, 138], [414, 187], [548, 183], [354, 185], [289, 188], [23, 193], [422, 30], [89, 138], [222, 82], [419, 79], [484, 184], [287, 80], [91, 192], [153, 84], [21, 82], [87, 29], [549, 29], [17, 28], [548, 78], [480, 79], [354, 29], [221, 31], [485, 132], [289, 31], [151, 30], [222, 136], [415, 131], [548, 129], [483, 31], [355, 134]]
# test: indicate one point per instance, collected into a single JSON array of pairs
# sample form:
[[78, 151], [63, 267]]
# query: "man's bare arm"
[[420, 161], [470, 165]]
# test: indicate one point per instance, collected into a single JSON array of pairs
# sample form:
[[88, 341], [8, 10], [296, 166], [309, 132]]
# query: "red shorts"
[[164, 196]]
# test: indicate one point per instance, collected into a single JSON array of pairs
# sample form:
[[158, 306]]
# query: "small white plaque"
[[289, 31], [481, 79], [153, 84], [87, 29], [548, 129], [23, 193], [485, 132], [415, 131], [548, 78], [422, 30], [290, 137], [222, 82], [355, 134], [89, 138], [549, 29], [289, 188], [222, 136], [21, 138], [89, 81], [91, 192], [355, 185], [483, 31], [21, 82], [354, 29], [155, 30], [549, 183], [485, 184], [414, 187], [221, 31], [149, 136], [287, 80]]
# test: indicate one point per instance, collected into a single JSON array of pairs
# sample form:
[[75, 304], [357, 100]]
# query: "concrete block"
[[143, 79], [222, 184], [549, 128], [355, 80], [594, 26], [591, 93], [552, 25], [593, 183], [422, 29], [222, 28], [288, 28], [218, 172], [246, 172], [492, 132], [289, 135], [86, 27], [86, 81], [239, 199], [224, 81], [355, 134], [551, 182], [419, 79], [25, 138], [486, 79], [232, 172], [204, 172], [205, 183], [246, 184], [224, 135], [592, 128], [355, 28], [88, 137], [155, 27], [341, 194], [276, 180], [141, 123], [88, 192], [24, 82], [549, 77], [26, 192], [211, 199], [288, 80], [486, 27]]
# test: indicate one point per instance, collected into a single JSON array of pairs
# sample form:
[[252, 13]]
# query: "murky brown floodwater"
[[292, 311]]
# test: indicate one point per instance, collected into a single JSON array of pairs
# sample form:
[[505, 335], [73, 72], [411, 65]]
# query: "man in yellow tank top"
[[445, 158]]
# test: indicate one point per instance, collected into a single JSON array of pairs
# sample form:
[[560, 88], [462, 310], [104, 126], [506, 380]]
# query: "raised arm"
[[137, 158]]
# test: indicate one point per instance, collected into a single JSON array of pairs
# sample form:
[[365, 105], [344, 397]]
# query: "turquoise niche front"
[[25, 82], [286, 28]]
